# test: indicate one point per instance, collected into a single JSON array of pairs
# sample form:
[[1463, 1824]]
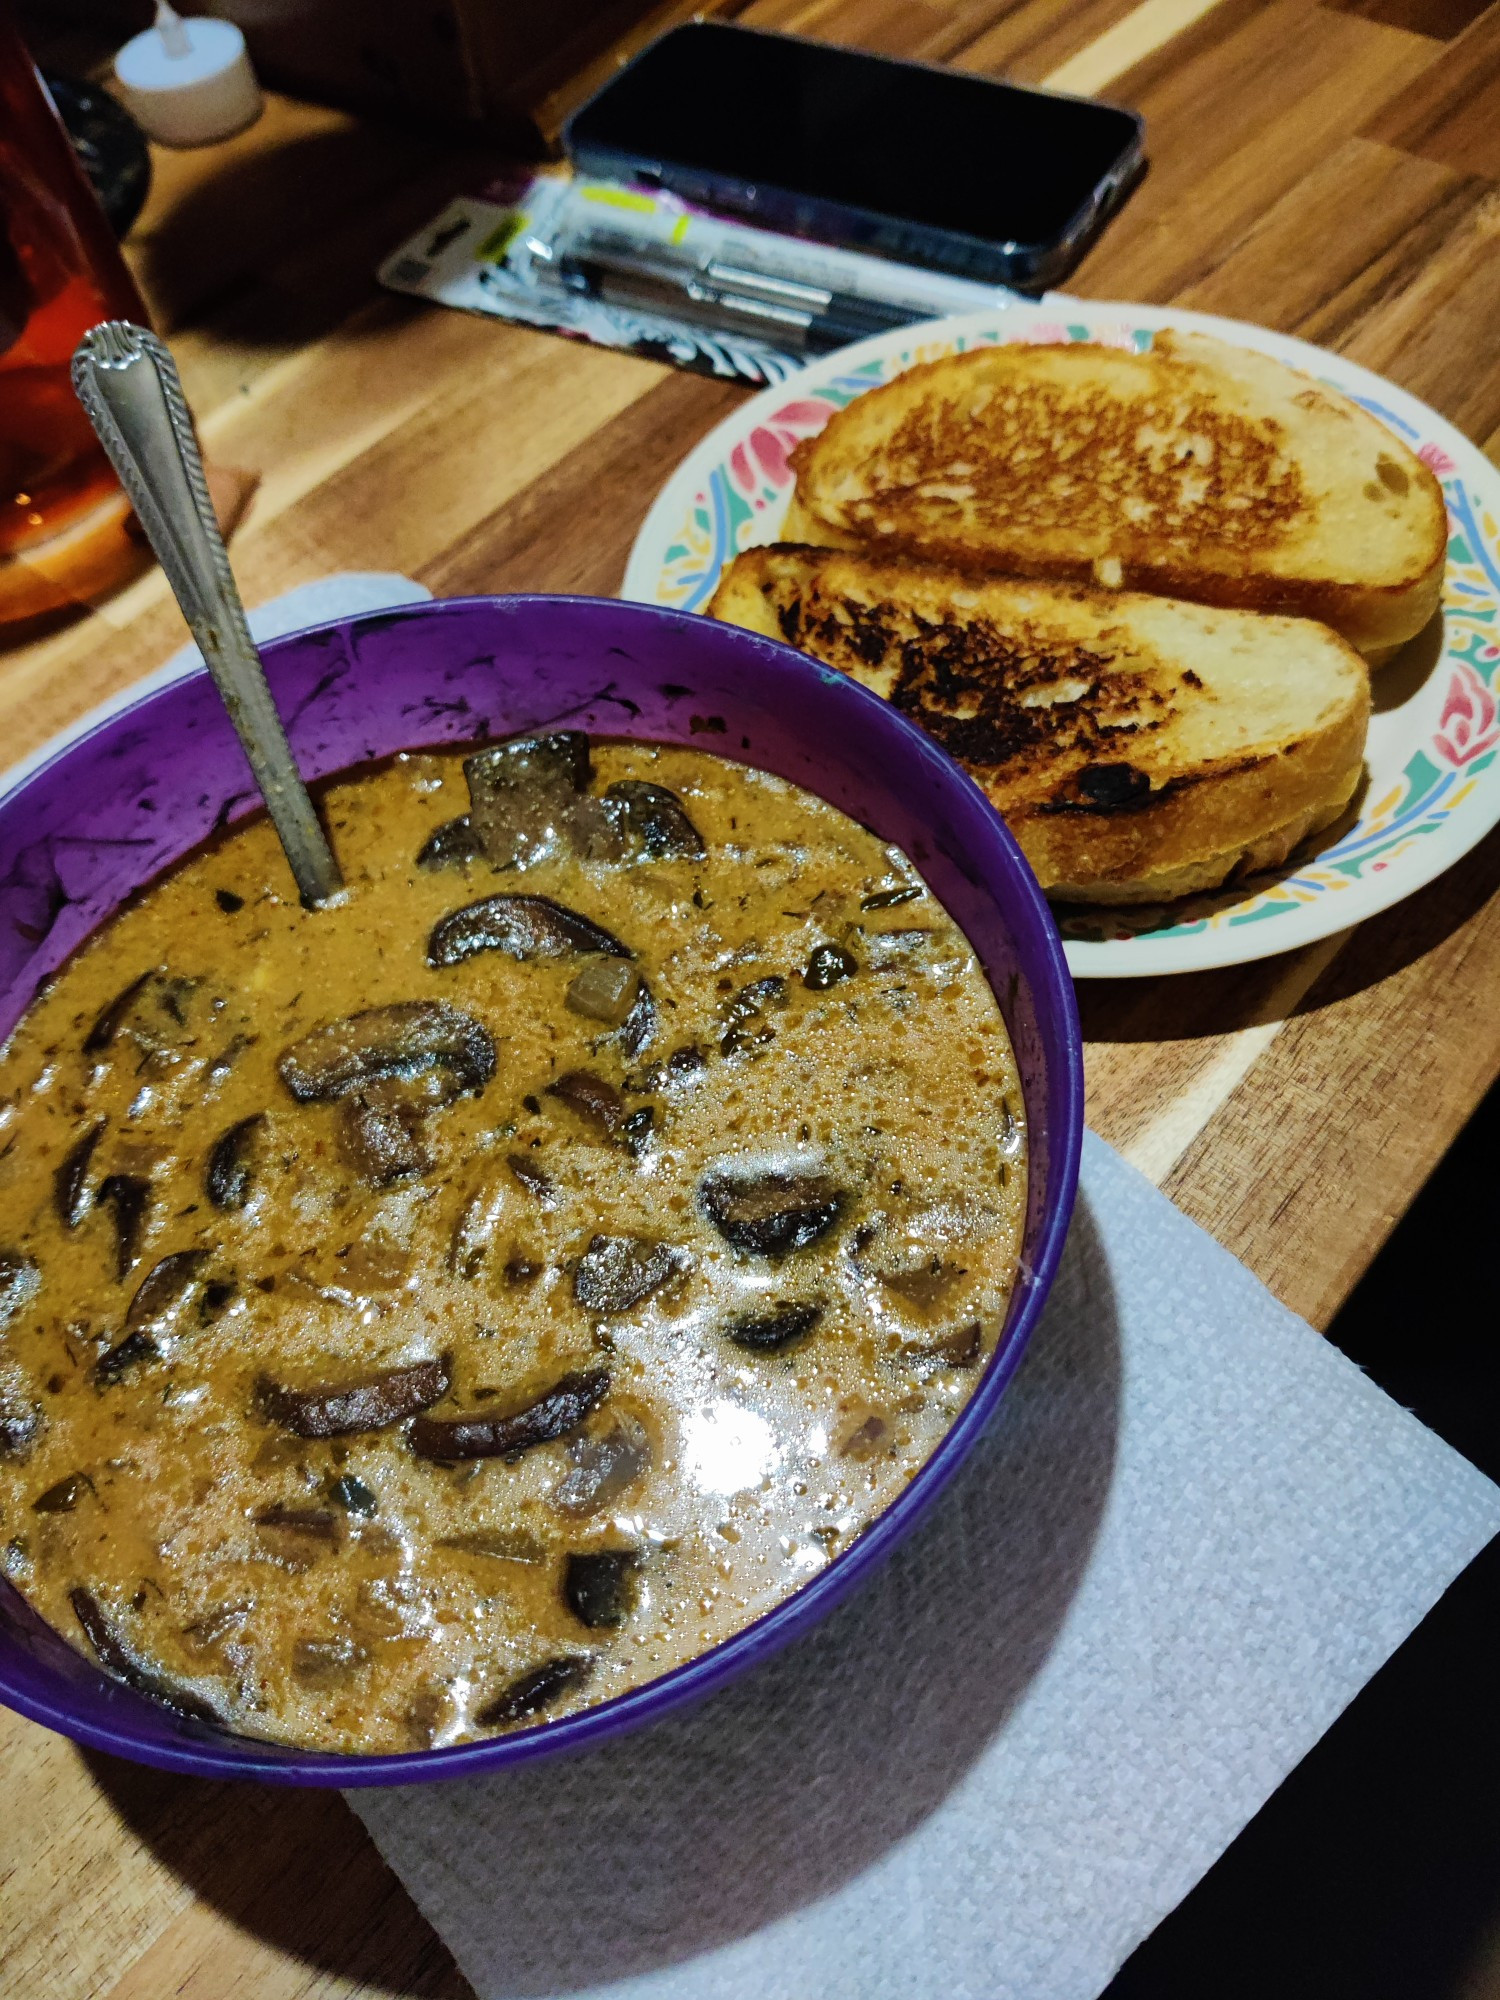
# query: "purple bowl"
[[131, 792]]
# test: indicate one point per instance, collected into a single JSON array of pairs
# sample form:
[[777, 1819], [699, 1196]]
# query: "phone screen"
[[931, 147]]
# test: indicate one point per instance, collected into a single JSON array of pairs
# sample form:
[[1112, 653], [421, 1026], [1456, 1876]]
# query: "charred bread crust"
[[1200, 833], [1068, 706]]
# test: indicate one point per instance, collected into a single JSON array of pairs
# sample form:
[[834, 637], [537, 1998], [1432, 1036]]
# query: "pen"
[[802, 317]]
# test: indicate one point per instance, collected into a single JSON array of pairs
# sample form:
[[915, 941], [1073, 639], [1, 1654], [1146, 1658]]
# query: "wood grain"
[[1452, 113], [121, 1883], [573, 531], [1124, 44], [1329, 170], [1289, 270], [1443, 18], [1033, 44], [1228, 139]]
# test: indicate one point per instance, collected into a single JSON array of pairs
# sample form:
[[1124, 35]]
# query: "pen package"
[[640, 270]]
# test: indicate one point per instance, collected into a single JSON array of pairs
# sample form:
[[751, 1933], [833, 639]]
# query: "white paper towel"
[[1191, 1535]]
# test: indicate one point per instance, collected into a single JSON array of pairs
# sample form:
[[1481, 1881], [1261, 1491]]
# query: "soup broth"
[[466, 1302]]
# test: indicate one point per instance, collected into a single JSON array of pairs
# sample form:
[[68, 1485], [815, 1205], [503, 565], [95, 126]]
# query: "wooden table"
[[1329, 170]]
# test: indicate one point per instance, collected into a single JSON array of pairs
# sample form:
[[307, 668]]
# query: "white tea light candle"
[[188, 83]]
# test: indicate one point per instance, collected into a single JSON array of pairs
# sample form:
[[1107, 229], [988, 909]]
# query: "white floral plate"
[[1433, 786]]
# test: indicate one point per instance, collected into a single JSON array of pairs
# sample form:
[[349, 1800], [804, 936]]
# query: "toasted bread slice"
[[1197, 470], [1140, 748]]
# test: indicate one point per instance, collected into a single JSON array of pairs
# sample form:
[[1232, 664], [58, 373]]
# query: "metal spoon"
[[128, 384]]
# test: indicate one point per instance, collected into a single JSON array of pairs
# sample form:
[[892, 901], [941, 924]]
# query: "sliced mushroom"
[[127, 1197], [154, 1006], [165, 1289], [756, 993], [21, 1418], [125, 1355], [601, 1586], [782, 1327], [533, 1178], [21, 1424], [315, 1523], [925, 1288], [229, 1176], [771, 1214], [403, 1039], [337, 1409], [636, 1130], [744, 1017], [64, 1496], [475, 1226], [618, 1272], [681, 1067], [556, 757], [523, 794], [327, 1663], [753, 998], [158, 1303], [20, 1281], [116, 1657], [828, 964], [959, 1349], [596, 1101], [108, 1021], [70, 1184], [515, 1545], [561, 1409], [639, 1027], [523, 926], [596, 829], [867, 1433], [605, 1463], [227, 1057], [656, 821], [207, 1633], [451, 845], [531, 1692], [381, 1137], [427, 1715]]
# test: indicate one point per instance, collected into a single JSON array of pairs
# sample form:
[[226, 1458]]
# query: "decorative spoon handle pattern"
[[128, 384]]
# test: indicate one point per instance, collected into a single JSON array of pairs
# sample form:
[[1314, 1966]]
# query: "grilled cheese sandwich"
[[1139, 748]]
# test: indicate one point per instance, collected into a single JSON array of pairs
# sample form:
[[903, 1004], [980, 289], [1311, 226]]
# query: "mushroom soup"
[[468, 1301]]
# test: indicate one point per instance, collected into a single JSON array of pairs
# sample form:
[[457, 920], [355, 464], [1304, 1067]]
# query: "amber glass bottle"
[[63, 518]]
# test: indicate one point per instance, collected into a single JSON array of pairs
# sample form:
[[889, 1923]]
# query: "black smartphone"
[[928, 166]]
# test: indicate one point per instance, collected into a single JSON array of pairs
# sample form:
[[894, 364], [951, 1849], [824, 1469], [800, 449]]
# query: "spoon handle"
[[128, 384]]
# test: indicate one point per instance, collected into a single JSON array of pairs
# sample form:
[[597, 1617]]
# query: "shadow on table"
[[291, 1869], [1190, 1006], [682, 1837], [279, 242]]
